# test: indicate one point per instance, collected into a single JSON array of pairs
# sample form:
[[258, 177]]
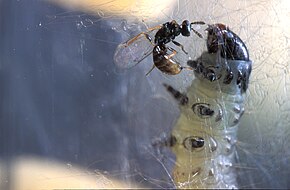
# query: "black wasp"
[[135, 50]]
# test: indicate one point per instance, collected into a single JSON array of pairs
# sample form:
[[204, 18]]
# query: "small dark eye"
[[193, 143], [185, 28]]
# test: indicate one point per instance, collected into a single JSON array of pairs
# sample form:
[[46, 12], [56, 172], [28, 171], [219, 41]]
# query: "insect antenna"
[[197, 33], [197, 23]]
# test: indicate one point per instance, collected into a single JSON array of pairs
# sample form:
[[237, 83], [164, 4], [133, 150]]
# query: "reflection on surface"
[[48, 174], [61, 97], [147, 9]]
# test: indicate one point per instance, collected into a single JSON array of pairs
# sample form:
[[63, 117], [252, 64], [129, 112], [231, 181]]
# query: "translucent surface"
[[129, 55], [62, 98]]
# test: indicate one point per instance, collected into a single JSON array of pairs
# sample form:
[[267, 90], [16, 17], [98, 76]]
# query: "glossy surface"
[[62, 99]]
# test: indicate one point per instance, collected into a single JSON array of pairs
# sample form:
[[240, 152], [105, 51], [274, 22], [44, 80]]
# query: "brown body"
[[164, 62]]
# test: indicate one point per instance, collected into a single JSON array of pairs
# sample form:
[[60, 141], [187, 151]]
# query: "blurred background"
[[68, 115]]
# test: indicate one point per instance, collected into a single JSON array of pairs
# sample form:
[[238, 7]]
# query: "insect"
[[135, 50], [203, 139], [221, 40]]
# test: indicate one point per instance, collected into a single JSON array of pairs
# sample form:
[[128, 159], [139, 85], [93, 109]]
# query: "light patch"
[[145, 9]]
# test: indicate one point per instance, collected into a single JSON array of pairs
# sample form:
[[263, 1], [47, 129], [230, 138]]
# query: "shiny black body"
[[221, 40], [167, 33], [232, 47], [170, 30]]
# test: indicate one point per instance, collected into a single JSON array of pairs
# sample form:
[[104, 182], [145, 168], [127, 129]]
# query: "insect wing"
[[127, 56]]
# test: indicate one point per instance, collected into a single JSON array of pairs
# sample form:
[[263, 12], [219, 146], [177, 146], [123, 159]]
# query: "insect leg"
[[181, 98], [188, 68], [145, 34], [164, 140], [179, 45], [145, 56], [174, 52], [136, 37], [150, 70]]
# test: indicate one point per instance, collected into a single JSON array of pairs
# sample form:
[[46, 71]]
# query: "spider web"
[[137, 110], [264, 125]]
